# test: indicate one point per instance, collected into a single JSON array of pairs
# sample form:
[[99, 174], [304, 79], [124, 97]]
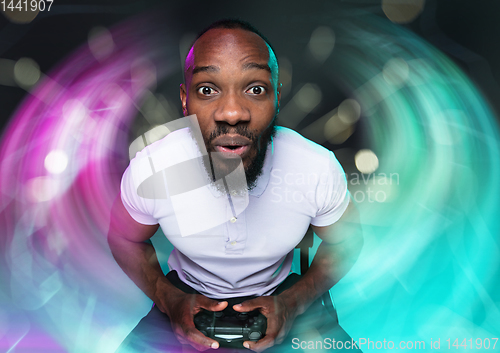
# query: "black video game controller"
[[231, 328]]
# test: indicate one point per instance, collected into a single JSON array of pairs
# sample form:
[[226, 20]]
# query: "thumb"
[[248, 305], [214, 305]]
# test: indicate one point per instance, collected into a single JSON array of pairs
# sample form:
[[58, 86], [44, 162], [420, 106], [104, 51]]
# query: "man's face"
[[231, 86]]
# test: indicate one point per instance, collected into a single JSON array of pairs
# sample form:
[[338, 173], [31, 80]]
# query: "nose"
[[232, 109]]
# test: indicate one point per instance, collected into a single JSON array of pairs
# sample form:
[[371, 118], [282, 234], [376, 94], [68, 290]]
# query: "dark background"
[[467, 31]]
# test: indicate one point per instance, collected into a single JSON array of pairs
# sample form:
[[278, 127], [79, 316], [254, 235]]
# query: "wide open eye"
[[256, 90], [206, 91]]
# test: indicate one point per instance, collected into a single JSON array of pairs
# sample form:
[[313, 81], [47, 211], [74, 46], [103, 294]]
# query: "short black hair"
[[235, 23]]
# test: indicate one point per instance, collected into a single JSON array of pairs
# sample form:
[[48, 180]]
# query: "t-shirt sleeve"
[[332, 196], [139, 208]]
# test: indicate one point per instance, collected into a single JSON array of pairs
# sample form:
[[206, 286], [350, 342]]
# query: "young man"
[[231, 85]]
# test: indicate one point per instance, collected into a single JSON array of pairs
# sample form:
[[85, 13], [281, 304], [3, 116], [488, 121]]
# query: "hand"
[[181, 310], [280, 314]]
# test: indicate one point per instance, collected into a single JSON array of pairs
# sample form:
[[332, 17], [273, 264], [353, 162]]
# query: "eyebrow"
[[253, 65], [209, 68]]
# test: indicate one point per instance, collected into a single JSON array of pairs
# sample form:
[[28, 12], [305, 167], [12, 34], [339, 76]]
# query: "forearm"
[[330, 264], [138, 260]]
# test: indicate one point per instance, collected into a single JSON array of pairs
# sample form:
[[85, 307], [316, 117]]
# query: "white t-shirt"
[[231, 245]]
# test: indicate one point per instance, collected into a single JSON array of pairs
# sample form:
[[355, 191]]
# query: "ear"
[[183, 95]]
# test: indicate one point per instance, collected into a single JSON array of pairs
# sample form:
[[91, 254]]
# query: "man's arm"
[[337, 253], [339, 250], [127, 240]]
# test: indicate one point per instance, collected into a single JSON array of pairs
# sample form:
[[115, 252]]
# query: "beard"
[[219, 167]]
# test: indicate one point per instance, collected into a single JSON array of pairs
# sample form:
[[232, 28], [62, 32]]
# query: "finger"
[[273, 328], [219, 306], [281, 334], [213, 305], [210, 304], [260, 345], [181, 339], [250, 305], [280, 338], [199, 341], [187, 333]]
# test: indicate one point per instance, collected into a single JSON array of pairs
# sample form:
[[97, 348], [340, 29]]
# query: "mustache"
[[238, 129]]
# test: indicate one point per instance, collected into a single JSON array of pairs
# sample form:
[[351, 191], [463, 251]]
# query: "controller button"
[[254, 336], [218, 314], [242, 316]]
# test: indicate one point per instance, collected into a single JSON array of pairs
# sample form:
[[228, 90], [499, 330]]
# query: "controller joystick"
[[231, 328]]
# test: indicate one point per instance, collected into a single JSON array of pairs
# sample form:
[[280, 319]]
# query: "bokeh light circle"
[[366, 161], [56, 162]]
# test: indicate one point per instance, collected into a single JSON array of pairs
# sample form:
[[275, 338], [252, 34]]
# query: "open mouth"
[[233, 149], [232, 145]]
